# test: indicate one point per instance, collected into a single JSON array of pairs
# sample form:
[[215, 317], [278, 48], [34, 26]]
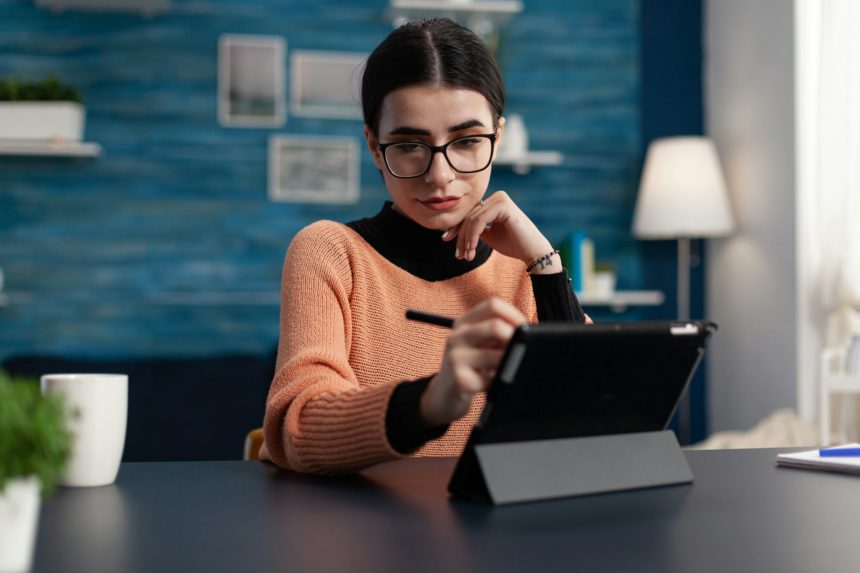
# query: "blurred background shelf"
[[497, 11], [50, 149], [620, 300], [144, 7], [522, 164]]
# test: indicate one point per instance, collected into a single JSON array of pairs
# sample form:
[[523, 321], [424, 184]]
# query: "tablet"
[[564, 380]]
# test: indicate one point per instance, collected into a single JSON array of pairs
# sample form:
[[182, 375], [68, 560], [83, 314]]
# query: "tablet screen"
[[560, 380]]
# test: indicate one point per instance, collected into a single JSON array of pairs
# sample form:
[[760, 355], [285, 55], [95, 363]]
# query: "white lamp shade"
[[682, 192]]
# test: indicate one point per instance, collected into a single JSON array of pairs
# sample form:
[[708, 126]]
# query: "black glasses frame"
[[434, 149]]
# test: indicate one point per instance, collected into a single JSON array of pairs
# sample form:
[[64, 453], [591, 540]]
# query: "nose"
[[440, 172]]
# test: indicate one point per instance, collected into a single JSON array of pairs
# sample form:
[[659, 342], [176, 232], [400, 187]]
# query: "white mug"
[[99, 406]]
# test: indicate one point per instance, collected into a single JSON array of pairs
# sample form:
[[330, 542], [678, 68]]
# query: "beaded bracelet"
[[544, 261]]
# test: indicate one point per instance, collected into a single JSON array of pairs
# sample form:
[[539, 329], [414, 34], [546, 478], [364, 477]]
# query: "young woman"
[[356, 383]]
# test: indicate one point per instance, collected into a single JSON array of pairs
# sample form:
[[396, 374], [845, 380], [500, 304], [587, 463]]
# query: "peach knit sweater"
[[345, 345]]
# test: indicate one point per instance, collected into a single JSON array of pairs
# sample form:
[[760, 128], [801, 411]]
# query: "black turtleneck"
[[415, 249], [422, 253]]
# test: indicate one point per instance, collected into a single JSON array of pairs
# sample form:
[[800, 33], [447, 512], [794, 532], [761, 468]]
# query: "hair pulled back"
[[434, 51]]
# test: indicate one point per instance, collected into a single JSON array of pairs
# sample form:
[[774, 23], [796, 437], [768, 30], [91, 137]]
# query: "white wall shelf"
[[619, 300], [496, 11], [145, 7], [522, 164], [50, 149]]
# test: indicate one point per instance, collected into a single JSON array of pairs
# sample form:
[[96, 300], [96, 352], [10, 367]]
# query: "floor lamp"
[[682, 195]]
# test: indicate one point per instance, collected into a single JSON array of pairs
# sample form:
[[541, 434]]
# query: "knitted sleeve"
[[555, 298], [318, 419]]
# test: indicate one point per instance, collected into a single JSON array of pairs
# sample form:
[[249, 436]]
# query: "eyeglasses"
[[467, 154]]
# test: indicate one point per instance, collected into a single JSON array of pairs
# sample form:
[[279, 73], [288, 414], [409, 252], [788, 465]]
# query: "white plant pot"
[[19, 517], [42, 120], [603, 284]]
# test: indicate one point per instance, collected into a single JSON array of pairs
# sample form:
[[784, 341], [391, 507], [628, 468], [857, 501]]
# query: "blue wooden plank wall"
[[167, 245]]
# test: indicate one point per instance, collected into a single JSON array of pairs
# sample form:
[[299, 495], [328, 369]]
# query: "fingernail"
[[457, 252], [445, 234]]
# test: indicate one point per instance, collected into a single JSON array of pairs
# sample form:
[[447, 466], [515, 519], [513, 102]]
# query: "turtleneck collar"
[[413, 248]]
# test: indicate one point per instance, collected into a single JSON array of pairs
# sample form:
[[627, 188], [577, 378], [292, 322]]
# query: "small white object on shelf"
[[42, 120], [514, 148], [45, 128], [836, 379], [619, 300]]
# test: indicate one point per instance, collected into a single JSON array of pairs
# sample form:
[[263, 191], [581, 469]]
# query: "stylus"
[[430, 318], [839, 452]]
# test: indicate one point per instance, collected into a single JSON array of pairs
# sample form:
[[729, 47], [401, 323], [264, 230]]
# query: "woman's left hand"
[[501, 224]]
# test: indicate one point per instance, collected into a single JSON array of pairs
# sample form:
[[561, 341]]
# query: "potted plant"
[[47, 110], [35, 445], [604, 279]]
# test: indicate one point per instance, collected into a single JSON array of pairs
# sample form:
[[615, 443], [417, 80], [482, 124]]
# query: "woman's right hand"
[[472, 354]]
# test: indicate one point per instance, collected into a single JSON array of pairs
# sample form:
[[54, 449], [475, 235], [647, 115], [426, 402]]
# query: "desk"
[[741, 514]]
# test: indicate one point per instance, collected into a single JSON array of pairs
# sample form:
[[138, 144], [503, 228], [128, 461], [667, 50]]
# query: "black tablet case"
[[578, 409]]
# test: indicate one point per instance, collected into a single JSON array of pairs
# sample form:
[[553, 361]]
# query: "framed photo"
[[251, 79], [326, 84], [313, 169]]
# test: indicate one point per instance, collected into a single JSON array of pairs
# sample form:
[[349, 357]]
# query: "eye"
[[407, 147], [466, 142]]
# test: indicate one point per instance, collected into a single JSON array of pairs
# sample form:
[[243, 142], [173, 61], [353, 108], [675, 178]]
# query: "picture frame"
[[251, 76], [305, 169], [326, 84]]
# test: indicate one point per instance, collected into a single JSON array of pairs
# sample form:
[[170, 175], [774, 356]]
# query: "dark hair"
[[433, 51]]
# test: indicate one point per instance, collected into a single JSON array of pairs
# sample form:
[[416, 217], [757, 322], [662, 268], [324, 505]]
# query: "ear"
[[373, 146], [499, 131]]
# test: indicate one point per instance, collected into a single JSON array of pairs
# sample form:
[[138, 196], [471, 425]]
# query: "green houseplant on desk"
[[34, 447]]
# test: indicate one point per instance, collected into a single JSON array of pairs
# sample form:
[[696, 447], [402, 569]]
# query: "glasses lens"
[[469, 154], [407, 159], [466, 155]]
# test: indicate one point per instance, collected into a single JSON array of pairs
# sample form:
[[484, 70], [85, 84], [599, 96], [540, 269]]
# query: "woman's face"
[[434, 115]]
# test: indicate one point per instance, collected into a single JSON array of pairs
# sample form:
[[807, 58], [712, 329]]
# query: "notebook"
[[811, 460]]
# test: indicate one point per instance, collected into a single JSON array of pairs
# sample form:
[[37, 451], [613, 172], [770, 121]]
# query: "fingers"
[[472, 355], [493, 332], [451, 233], [473, 368], [476, 222], [466, 370]]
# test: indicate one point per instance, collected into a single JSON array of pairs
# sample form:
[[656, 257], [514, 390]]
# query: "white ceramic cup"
[[99, 403]]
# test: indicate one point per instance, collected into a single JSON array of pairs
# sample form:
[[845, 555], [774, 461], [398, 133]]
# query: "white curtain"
[[837, 177], [835, 197]]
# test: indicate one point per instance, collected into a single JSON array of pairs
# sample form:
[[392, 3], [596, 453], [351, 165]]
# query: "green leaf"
[[34, 433], [49, 89]]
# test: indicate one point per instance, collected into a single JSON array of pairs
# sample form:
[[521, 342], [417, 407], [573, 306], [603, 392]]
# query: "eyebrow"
[[406, 130]]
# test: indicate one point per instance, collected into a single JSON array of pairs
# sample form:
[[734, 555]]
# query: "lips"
[[441, 203]]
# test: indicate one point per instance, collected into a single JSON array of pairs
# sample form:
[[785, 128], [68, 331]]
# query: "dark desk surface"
[[741, 514]]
